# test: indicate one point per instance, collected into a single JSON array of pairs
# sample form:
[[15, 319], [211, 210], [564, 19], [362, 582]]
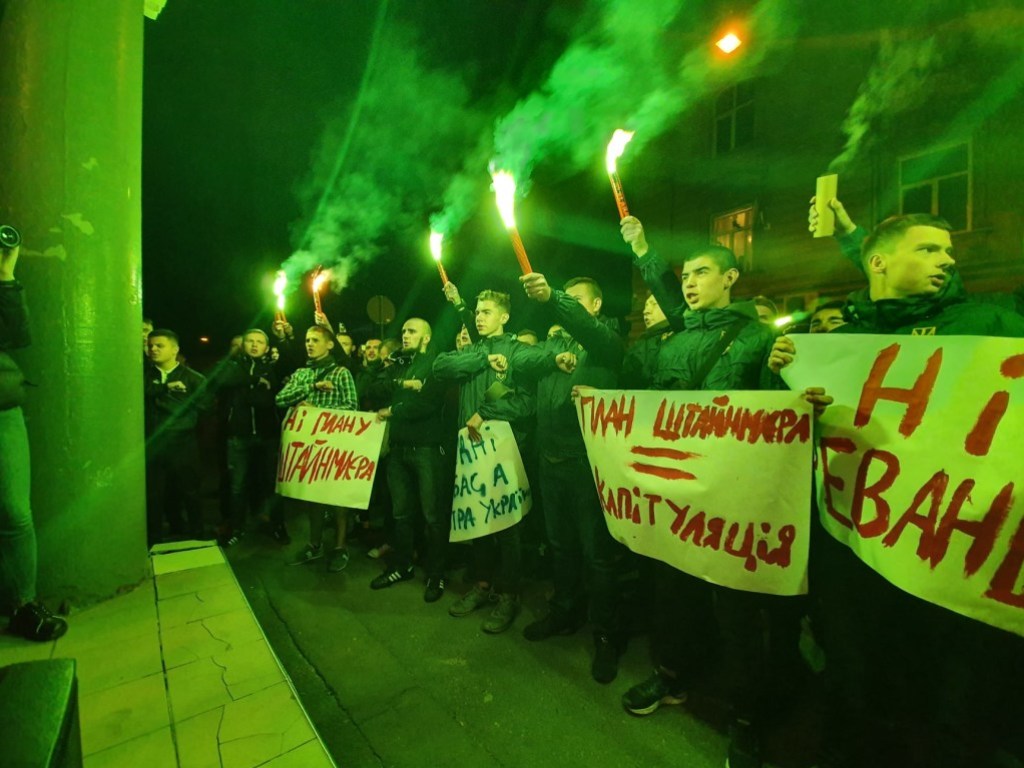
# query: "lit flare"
[[615, 149], [436, 243], [504, 186], [320, 277], [280, 283]]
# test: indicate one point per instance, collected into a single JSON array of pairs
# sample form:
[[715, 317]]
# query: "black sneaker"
[[605, 665], [307, 555], [34, 621], [227, 540], [744, 746], [646, 697], [434, 590], [551, 625], [391, 576]]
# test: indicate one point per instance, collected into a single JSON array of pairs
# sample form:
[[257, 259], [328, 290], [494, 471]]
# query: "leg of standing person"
[[18, 548]]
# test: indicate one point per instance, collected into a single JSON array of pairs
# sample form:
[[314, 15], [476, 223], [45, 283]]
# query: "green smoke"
[[624, 68], [898, 81], [382, 162]]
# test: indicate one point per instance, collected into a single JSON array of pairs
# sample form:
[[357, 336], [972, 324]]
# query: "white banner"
[[716, 484], [919, 463], [329, 456], [491, 489]]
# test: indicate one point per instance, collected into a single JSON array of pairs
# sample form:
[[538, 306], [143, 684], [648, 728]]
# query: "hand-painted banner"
[[491, 489], [715, 484], [919, 462], [329, 456]]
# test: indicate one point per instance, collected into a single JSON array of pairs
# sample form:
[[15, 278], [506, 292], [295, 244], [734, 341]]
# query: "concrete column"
[[70, 180]]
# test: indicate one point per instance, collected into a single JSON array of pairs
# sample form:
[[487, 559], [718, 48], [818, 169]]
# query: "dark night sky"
[[236, 96]]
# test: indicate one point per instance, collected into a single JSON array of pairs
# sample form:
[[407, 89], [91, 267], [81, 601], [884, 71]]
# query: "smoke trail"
[[624, 68], [898, 81], [376, 171]]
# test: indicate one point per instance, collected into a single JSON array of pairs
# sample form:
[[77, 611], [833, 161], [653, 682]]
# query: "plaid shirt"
[[300, 388]]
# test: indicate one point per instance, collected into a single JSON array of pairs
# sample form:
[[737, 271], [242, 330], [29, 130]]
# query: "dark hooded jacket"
[[740, 366], [247, 386], [482, 390], [417, 416], [948, 313], [599, 352]]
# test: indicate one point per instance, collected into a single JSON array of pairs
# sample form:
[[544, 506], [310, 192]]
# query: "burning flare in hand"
[[320, 277], [436, 241], [280, 283], [615, 149], [504, 186]]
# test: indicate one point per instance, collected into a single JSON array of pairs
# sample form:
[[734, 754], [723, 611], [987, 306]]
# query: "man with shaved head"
[[416, 468]]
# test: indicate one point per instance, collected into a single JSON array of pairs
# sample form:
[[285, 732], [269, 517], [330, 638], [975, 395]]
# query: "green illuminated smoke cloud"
[[382, 163], [624, 69], [898, 81]]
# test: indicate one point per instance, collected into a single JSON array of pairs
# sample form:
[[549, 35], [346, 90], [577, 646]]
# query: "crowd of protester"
[[944, 709]]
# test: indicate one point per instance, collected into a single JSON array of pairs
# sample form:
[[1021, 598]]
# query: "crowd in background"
[[932, 687]]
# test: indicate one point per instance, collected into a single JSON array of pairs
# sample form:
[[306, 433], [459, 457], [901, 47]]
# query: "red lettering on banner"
[[618, 415], [746, 550], [916, 398], [706, 532], [830, 481], [862, 491], [619, 502], [293, 415], [316, 462], [668, 473], [979, 441], [782, 555], [681, 513], [935, 489], [652, 500], [333, 422], [720, 419], [716, 527], [984, 531], [1003, 587]]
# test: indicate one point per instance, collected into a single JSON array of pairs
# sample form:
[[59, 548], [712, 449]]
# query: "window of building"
[[735, 230], [734, 117], [939, 183]]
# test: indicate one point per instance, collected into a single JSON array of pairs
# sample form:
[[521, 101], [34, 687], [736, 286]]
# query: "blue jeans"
[[416, 479], [17, 533]]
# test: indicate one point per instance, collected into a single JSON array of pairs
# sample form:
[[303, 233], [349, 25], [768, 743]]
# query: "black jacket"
[[14, 334], [740, 366], [599, 351], [642, 358], [508, 401], [247, 387], [417, 416], [169, 411]]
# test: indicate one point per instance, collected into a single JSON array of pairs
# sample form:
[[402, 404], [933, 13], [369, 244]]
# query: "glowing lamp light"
[[615, 149], [504, 187], [436, 242], [204, 339], [729, 43]]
